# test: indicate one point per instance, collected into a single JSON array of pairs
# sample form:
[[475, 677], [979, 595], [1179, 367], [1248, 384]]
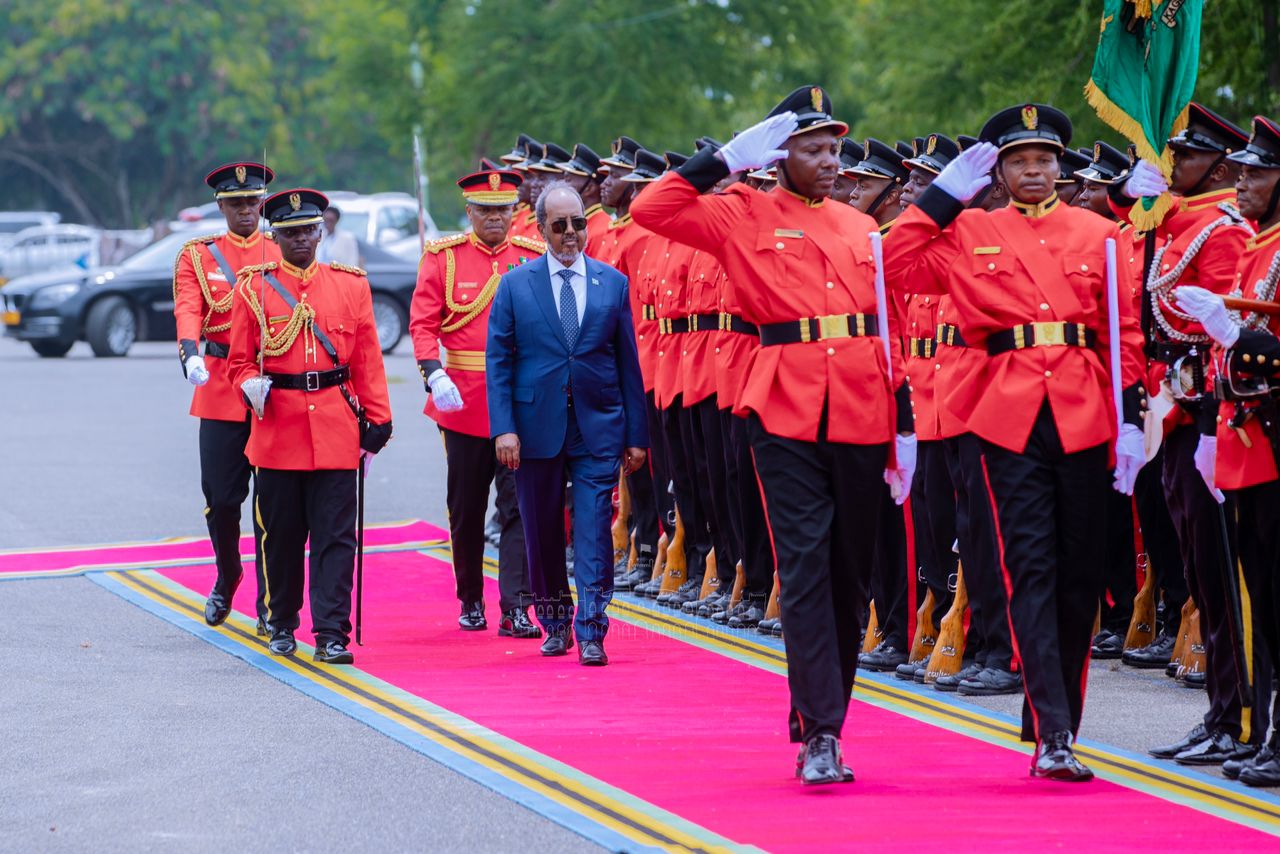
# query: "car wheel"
[[53, 349], [111, 327], [390, 319]]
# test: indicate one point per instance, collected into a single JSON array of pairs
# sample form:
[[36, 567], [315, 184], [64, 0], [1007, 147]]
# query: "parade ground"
[[134, 727]]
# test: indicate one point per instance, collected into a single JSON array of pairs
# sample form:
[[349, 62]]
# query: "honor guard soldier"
[[1204, 236], [846, 181], [582, 172], [879, 176], [823, 410], [1246, 449], [542, 167], [204, 280], [305, 352], [517, 160], [1068, 182], [457, 280], [1029, 286]]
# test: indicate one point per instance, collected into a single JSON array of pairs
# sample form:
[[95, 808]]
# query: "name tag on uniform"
[[283, 318], [986, 250], [468, 284], [787, 232]]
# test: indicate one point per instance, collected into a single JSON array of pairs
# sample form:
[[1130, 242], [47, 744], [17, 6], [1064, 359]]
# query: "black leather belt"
[[672, 325], [818, 329], [948, 335], [1055, 333], [922, 347], [1169, 352], [733, 323], [311, 380], [704, 322], [216, 350]]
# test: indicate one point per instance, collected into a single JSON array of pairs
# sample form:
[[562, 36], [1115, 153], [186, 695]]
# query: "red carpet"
[[704, 736], [184, 549]]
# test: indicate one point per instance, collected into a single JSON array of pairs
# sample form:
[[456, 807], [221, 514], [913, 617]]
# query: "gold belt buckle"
[[833, 326], [1049, 334]]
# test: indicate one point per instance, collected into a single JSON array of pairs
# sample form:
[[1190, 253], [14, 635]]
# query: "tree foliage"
[[112, 109]]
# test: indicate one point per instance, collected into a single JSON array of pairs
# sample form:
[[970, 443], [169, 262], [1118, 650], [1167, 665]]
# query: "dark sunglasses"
[[578, 223]]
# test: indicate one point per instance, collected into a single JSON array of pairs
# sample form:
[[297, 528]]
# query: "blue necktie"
[[568, 309]]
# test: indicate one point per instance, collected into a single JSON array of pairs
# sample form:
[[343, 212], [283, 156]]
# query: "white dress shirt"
[[578, 282]]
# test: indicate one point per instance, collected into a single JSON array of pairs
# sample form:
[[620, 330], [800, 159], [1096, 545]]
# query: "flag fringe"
[[1141, 8], [1143, 219]]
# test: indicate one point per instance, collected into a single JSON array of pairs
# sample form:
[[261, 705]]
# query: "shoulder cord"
[[1264, 289], [1160, 286], [303, 316], [461, 315], [220, 306]]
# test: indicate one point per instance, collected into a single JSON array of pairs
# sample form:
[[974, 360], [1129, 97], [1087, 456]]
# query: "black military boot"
[[1055, 760], [472, 617]]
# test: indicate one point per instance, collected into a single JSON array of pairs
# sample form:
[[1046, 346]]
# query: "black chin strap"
[[782, 168], [1204, 179], [976, 201], [884, 194]]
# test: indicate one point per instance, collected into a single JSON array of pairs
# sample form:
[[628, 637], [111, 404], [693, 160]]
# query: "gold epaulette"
[[347, 268], [530, 244], [246, 272], [208, 238], [440, 244]]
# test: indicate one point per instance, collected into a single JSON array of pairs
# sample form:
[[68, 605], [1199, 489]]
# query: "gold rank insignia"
[[915, 147], [495, 181], [295, 201], [815, 97], [617, 145], [932, 144], [241, 174], [1030, 117], [1097, 152], [866, 150]]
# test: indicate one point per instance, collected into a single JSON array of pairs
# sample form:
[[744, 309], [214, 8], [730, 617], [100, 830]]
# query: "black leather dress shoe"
[[765, 626], [846, 773], [1214, 750], [822, 762], [951, 682], [1168, 751], [591, 654], [909, 671], [989, 682], [1153, 656], [282, 642], [1107, 645], [649, 589], [472, 617], [687, 592], [1232, 767], [1263, 769], [1055, 760], [746, 616], [707, 605], [516, 624], [885, 658], [557, 644], [1198, 679], [333, 652], [639, 575], [216, 608], [262, 629]]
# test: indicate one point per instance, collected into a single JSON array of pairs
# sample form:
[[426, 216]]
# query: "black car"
[[112, 307]]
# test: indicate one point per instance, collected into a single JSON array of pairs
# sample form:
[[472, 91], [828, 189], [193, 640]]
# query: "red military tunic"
[[642, 268], [671, 303], [457, 279], [598, 222], [920, 323], [610, 245], [202, 300], [701, 342], [1007, 268], [300, 430], [524, 223], [790, 258], [1240, 466], [734, 350]]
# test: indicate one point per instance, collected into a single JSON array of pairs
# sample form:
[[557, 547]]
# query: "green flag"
[[1144, 75]]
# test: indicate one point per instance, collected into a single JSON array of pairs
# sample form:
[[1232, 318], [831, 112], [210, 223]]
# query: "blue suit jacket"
[[530, 368]]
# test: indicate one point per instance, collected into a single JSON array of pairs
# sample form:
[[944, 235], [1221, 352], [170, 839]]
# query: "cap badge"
[[295, 200], [915, 147], [1132, 151], [815, 98], [866, 150], [241, 174], [617, 145], [495, 181], [932, 144], [1097, 152], [1030, 117]]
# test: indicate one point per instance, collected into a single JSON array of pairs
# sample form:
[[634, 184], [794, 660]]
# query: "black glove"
[[374, 436]]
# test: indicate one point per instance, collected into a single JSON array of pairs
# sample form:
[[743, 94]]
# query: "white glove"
[[1206, 459], [964, 177], [899, 478], [255, 390], [1145, 180], [444, 392], [197, 373], [757, 146], [1208, 308], [366, 460], [1131, 453]]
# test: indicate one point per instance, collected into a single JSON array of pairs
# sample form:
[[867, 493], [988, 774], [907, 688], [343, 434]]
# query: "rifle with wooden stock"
[[948, 650]]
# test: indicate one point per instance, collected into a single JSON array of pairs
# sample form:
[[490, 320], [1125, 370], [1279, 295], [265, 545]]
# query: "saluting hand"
[[964, 177], [633, 459], [507, 447], [758, 145]]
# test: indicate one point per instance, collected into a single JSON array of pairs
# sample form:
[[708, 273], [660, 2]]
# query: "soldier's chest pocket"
[[784, 258], [341, 330], [1084, 273]]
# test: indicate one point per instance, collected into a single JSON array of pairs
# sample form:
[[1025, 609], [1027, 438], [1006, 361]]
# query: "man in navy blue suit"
[[566, 403]]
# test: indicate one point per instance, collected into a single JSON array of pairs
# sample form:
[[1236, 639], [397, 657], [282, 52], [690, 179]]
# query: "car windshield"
[[12, 226], [355, 223]]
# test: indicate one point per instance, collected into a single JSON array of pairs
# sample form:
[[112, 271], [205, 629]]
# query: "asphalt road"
[[123, 733]]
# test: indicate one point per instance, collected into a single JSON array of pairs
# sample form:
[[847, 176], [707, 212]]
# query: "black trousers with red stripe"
[[1195, 516], [1257, 517], [225, 476], [823, 501], [1160, 540], [1050, 506], [750, 526], [1119, 576], [320, 506], [979, 554], [688, 473], [660, 467], [890, 576], [472, 466]]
